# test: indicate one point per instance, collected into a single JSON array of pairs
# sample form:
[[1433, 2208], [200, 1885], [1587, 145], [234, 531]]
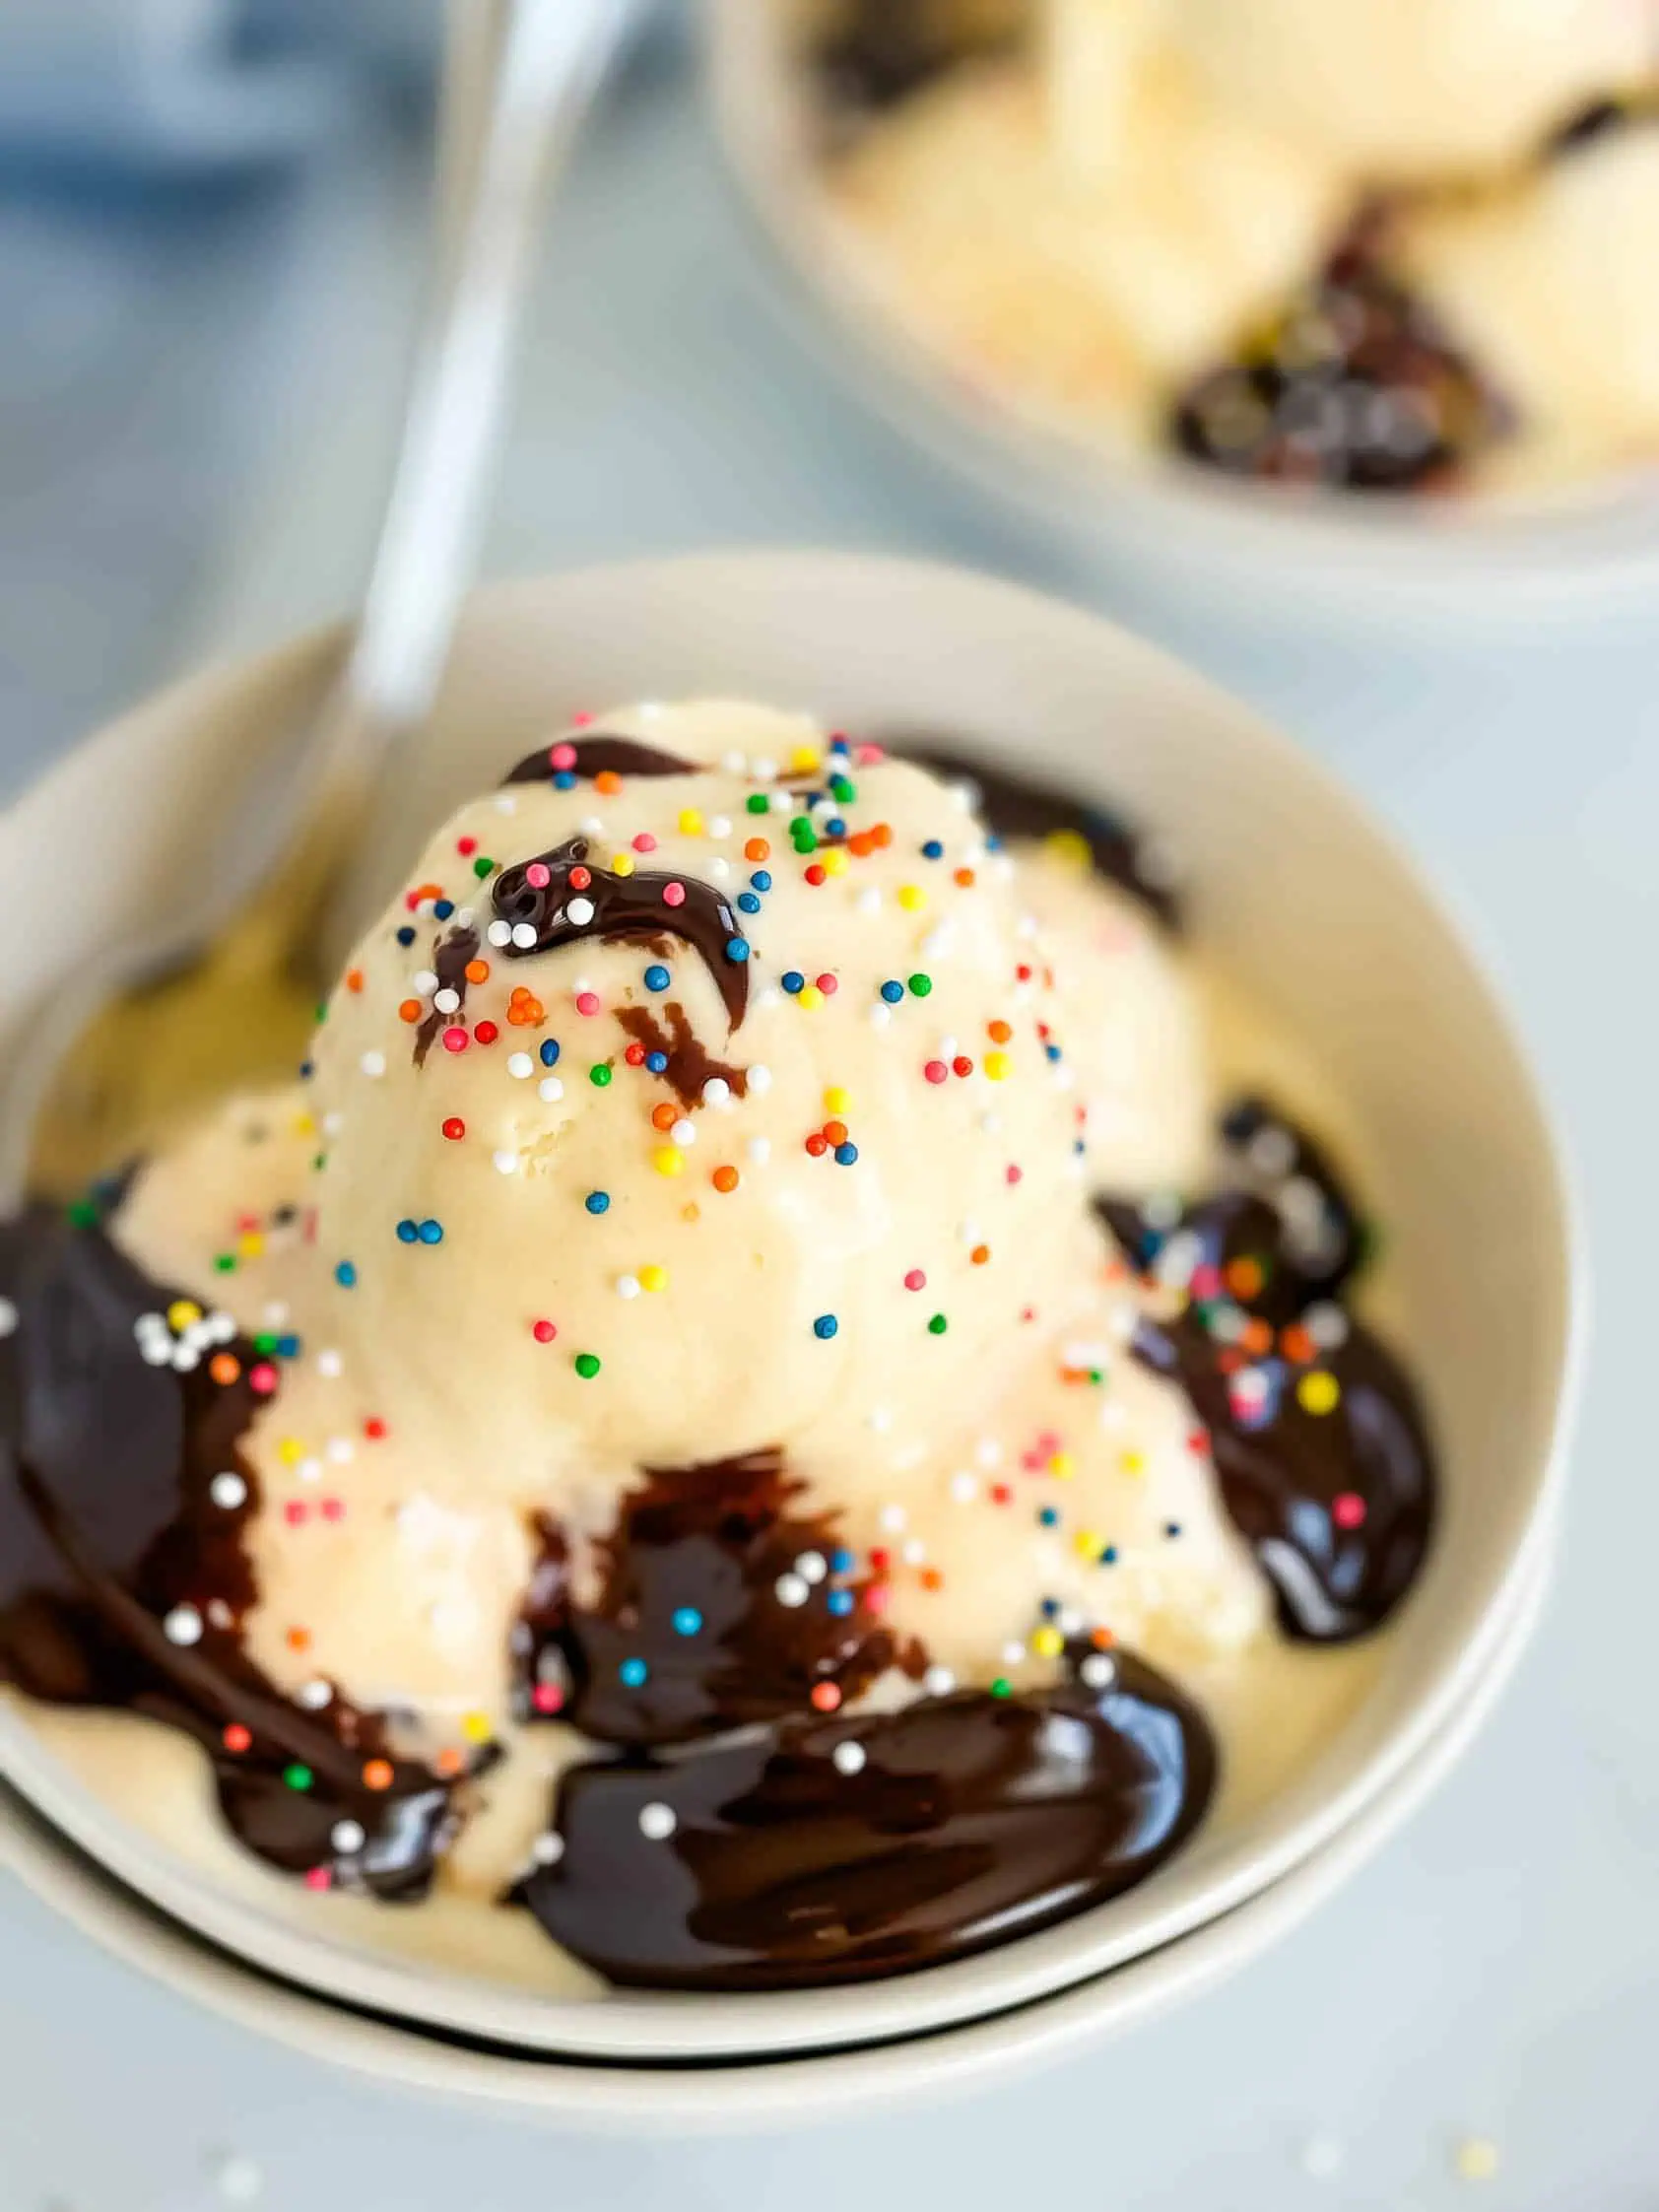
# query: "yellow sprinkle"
[[1047, 1643], [621, 863], [251, 1245], [475, 1726], [998, 1066], [834, 861], [808, 996], [653, 1278], [304, 1125], [290, 1451], [1318, 1392], [912, 898], [1087, 1543], [690, 822], [183, 1312], [805, 760], [838, 1100], [669, 1161], [1476, 2159], [1070, 847], [1063, 1465], [1133, 1462]]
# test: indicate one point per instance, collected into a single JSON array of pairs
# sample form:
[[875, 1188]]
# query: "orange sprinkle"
[[664, 1117], [966, 877], [932, 1579], [224, 1366], [1244, 1278], [411, 1010], [377, 1775], [477, 971], [1298, 1346], [353, 978], [1257, 1338], [608, 781], [861, 845], [825, 1696], [881, 835], [757, 849], [834, 1132], [298, 1640], [526, 1013], [725, 1179], [999, 1033], [980, 1254], [449, 1761], [1103, 1638]]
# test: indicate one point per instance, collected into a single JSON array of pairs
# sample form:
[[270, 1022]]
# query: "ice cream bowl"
[[1304, 911], [1495, 557]]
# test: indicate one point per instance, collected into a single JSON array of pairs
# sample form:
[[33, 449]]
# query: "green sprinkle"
[[843, 791], [1002, 1687], [757, 802], [481, 867], [587, 1364], [82, 1213], [920, 985], [265, 1342], [938, 1326], [599, 1074], [225, 1262], [297, 1776]]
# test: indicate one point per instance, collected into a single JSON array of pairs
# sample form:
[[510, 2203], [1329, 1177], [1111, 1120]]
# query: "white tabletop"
[[1493, 1976]]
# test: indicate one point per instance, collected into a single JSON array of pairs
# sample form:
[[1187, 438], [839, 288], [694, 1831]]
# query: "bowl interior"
[[1297, 901]]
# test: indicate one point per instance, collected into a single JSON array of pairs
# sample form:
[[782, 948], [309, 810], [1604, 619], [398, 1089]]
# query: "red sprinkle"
[[466, 846], [580, 878], [644, 843], [486, 1032], [544, 1332], [936, 1071], [318, 1878], [817, 1145], [548, 1696], [816, 875], [1348, 1510], [375, 1428], [454, 1128], [825, 1696], [235, 1738], [262, 1380], [636, 1055], [295, 1513], [1001, 1494], [961, 1064], [828, 985], [333, 1509], [916, 1280], [876, 1597], [1014, 1174], [880, 1558]]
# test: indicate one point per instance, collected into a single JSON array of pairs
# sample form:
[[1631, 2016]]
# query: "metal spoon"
[[236, 962]]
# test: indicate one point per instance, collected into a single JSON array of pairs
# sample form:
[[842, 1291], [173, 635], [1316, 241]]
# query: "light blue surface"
[[1494, 1973]]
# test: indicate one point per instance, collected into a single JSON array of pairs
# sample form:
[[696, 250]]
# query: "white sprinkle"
[[220, 1614], [341, 1450], [313, 1696], [760, 1151], [1327, 1324], [849, 1757], [155, 1351], [592, 825], [550, 1090], [447, 1001], [716, 1092], [520, 1065], [733, 762], [185, 1358], [894, 1518], [767, 998], [939, 942], [506, 803], [683, 1132], [880, 1016], [812, 1567], [507, 1163], [579, 913], [759, 1078], [1272, 1151], [347, 1836], [627, 1286], [329, 1363], [790, 1590], [1013, 1654], [1098, 1671], [333, 1124], [914, 1551], [464, 917], [422, 981], [523, 935], [1163, 1210], [1069, 1622], [880, 1419], [1322, 2157], [547, 1849], [763, 768], [988, 1452], [719, 824], [782, 802], [869, 899], [939, 1682], [964, 795], [274, 1313], [657, 1821], [183, 1625], [239, 2180], [309, 1470], [964, 1487], [500, 933]]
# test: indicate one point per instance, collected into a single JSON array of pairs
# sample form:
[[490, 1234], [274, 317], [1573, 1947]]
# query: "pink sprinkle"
[[262, 1380], [936, 1071], [674, 895], [916, 1280], [582, 721], [1015, 1173], [1206, 1281], [870, 756], [562, 757], [466, 846], [1348, 1510], [828, 985], [455, 1041], [333, 1509], [544, 1332], [587, 1002], [295, 1512], [538, 875], [644, 843], [547, 1696], [876, 1597], [318, 1878]]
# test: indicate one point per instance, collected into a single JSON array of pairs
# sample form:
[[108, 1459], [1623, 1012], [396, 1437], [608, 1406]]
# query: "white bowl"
[[1298, 901], [1505, 557], [737, 2098]]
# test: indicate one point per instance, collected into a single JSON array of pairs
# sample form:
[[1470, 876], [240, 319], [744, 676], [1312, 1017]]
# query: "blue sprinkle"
[[747, 904], [687, 1620], [839, 1603], [826, 1327], [657, 979], [632, 1672], [656, 1062], [406, 936], [835, 826], [762, 879], [1049, 1518], [892, 992], [344, 1274], [793, 981], [308, 1068], [1109, 1557], [443, 908], [407, 1232], [846, 1154], [1171, 1528], [565, 781], [1053, 1051], [1050, 1605], [598, 1201], [549, 1052], [288, 1348], [933, 849], [430, 1233], [994, 843], [737, 950]]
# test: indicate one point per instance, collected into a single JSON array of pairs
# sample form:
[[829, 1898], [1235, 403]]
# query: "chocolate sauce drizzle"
[[109, 1530], [451, 957], [1354, 384], [1333, 1488], [691, 1065], [968, 1820], [599, 755], [622, 906]]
